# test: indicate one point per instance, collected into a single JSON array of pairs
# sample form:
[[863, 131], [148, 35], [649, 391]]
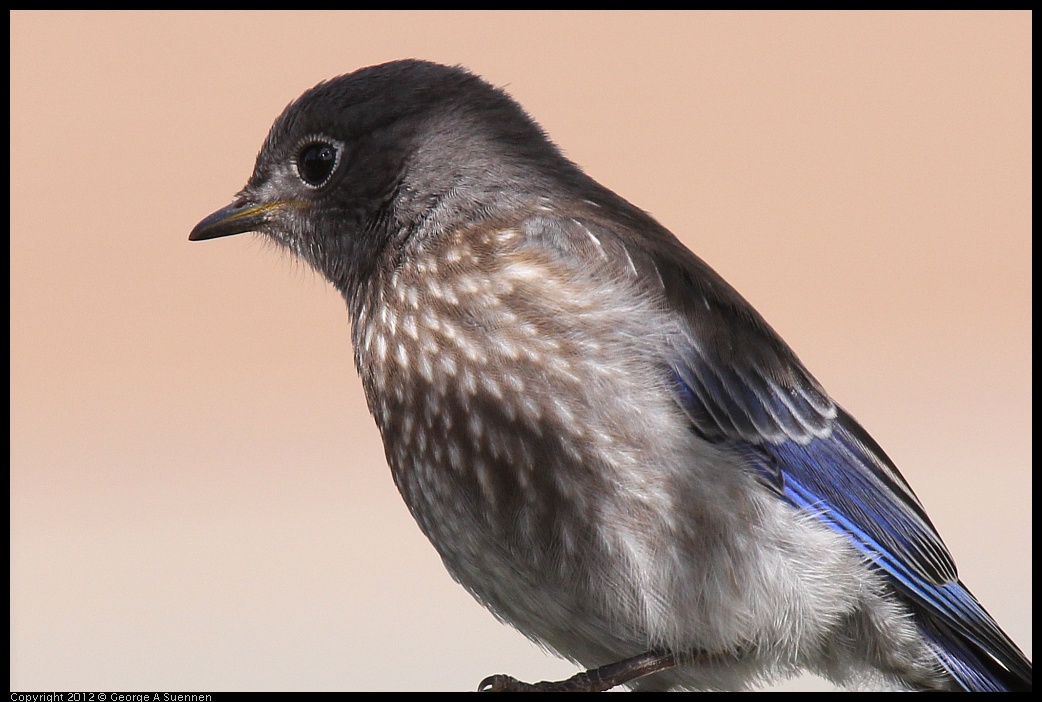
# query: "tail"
[[992, 665]]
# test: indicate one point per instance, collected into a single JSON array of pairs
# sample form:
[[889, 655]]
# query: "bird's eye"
[[316, 162]]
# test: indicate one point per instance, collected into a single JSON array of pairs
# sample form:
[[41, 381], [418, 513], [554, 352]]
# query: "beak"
[[236, 218]]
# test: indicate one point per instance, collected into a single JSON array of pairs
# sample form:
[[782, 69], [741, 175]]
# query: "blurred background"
[[199, 499]]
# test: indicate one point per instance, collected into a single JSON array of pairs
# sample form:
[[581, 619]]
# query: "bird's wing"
[[742, 386]]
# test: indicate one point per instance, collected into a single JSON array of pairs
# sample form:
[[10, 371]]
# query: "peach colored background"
[[198, 497]]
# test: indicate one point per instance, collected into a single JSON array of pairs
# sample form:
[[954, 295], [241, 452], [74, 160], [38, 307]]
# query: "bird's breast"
[[505, 385], [528, 421]]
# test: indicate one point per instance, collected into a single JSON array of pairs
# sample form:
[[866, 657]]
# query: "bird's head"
[[361, 162]]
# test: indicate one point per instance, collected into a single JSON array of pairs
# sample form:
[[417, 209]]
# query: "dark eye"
[[316, 162]]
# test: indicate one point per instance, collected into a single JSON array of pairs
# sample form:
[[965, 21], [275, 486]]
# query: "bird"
[[606, 444]]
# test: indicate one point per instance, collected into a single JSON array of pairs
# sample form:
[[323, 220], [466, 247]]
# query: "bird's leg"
[[594, 680]]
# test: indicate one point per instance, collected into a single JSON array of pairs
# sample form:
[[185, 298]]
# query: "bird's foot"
[[594, 680]]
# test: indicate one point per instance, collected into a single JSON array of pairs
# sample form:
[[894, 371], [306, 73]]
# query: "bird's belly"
[[602, 551], [542, 452]]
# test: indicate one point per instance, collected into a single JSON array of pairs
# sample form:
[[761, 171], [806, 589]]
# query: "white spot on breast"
[[491, 386], [472, 351], [409, 325], [484, 476], [448, 364], [509, 410], [563, 412], [532, 355], [384, 411], [427, 266], [563, 369], [531, 409], [431, 321], [424, 364], [474, 425], [455, 455], [467, 284], [441, 292], [430, 413], [467, 382], [506, 349], [522, 270], [447, 330], [513, 382], [430, 346]]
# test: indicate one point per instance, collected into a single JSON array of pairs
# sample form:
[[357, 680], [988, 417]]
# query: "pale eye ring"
[[316, 161]]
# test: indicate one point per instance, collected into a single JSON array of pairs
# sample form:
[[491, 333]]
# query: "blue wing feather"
[[743, 388], [843, 478]]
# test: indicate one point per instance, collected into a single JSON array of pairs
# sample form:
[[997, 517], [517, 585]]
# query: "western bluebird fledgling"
[[607, 445]]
